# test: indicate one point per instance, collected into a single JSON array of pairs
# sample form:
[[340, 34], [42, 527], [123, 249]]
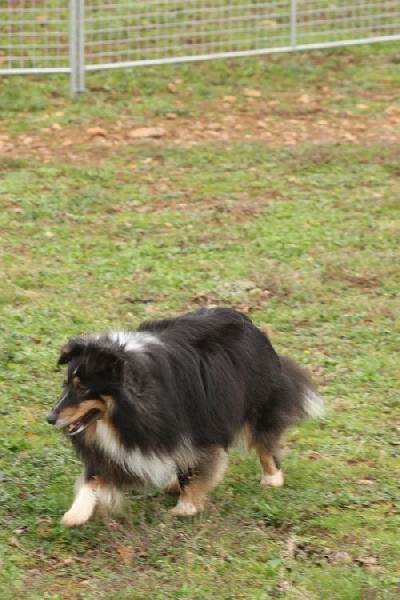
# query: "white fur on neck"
[[150, 467], [134, 340]]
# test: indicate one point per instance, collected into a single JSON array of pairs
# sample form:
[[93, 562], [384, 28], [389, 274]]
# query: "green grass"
[[305, 236]]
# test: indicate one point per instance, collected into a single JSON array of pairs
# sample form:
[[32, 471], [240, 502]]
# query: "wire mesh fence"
[[56, 36], [33, 36]]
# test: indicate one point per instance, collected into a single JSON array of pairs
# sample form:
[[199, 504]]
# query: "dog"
[[162, 404]]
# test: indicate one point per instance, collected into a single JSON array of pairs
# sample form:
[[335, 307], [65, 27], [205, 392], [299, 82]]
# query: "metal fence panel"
[[170, 30], [33, 36], [347, 21], [62, 36]]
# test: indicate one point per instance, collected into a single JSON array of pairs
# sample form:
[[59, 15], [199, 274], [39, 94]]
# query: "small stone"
[[249, 93], [339, 558], [147, 132]]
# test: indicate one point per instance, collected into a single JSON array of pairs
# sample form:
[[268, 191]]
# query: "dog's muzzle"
[[51, 418]]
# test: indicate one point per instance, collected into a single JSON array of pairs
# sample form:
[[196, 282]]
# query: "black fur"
[[209, 374]]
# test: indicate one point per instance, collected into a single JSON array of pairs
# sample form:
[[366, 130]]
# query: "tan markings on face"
[[90, 431], [74, 413], [76, 382]]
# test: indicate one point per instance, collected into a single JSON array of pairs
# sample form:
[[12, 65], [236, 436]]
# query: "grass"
[[302, 233]]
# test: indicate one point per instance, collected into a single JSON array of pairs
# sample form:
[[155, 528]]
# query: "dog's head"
[[94, 372]]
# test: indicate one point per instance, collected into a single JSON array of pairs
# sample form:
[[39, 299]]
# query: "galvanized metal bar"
[[81, 47], [260, 52], [34, 71], [76, 46], [72, 46], [293, 24]]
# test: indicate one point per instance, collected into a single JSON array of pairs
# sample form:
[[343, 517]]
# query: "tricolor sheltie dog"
[[162, 404]]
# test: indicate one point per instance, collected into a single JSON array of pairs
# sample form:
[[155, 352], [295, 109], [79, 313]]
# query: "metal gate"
[[39, 36]]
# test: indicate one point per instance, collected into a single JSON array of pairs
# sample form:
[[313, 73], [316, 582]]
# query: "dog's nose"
[[51, 418]]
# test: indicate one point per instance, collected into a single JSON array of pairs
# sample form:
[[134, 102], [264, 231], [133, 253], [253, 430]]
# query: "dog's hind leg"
[[90, 494], [268, 448], [196, 482]]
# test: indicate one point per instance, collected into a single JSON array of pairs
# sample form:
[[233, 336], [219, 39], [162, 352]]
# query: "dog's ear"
[[108, 361], [75, 347]]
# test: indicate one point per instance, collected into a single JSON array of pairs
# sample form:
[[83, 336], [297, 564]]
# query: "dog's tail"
[[304, 398]]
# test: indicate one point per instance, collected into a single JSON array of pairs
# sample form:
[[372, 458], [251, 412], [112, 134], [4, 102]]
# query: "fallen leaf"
[[93, 131], [391, 110], [245, 308], [267, 329], [126, 554], [350, 137]]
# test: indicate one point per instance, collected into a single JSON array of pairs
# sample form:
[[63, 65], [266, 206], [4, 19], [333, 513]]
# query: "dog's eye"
[[81, 388]]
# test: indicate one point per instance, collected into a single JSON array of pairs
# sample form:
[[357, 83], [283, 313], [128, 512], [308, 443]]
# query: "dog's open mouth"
[[81, 423]]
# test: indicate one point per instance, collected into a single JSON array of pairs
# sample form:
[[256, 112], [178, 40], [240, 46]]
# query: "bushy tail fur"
[[305, 399]]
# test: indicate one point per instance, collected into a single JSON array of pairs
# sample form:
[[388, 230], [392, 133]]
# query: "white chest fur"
[[151, 467]]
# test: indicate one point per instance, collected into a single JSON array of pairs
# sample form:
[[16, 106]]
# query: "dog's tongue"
[[73, 426]]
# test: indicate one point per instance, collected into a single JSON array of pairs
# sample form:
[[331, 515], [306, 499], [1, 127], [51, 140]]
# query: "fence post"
[[293, 24], [76, 46]]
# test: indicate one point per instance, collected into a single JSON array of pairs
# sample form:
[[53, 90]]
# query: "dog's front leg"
[[91, 492], [85, 501]]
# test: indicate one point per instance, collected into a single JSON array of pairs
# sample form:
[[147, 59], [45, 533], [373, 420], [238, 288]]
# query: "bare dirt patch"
[[268, 122]]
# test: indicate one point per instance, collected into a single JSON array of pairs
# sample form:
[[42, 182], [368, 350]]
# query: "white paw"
[[275, 480], [82, 507], [185, 509], [74, 518]]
